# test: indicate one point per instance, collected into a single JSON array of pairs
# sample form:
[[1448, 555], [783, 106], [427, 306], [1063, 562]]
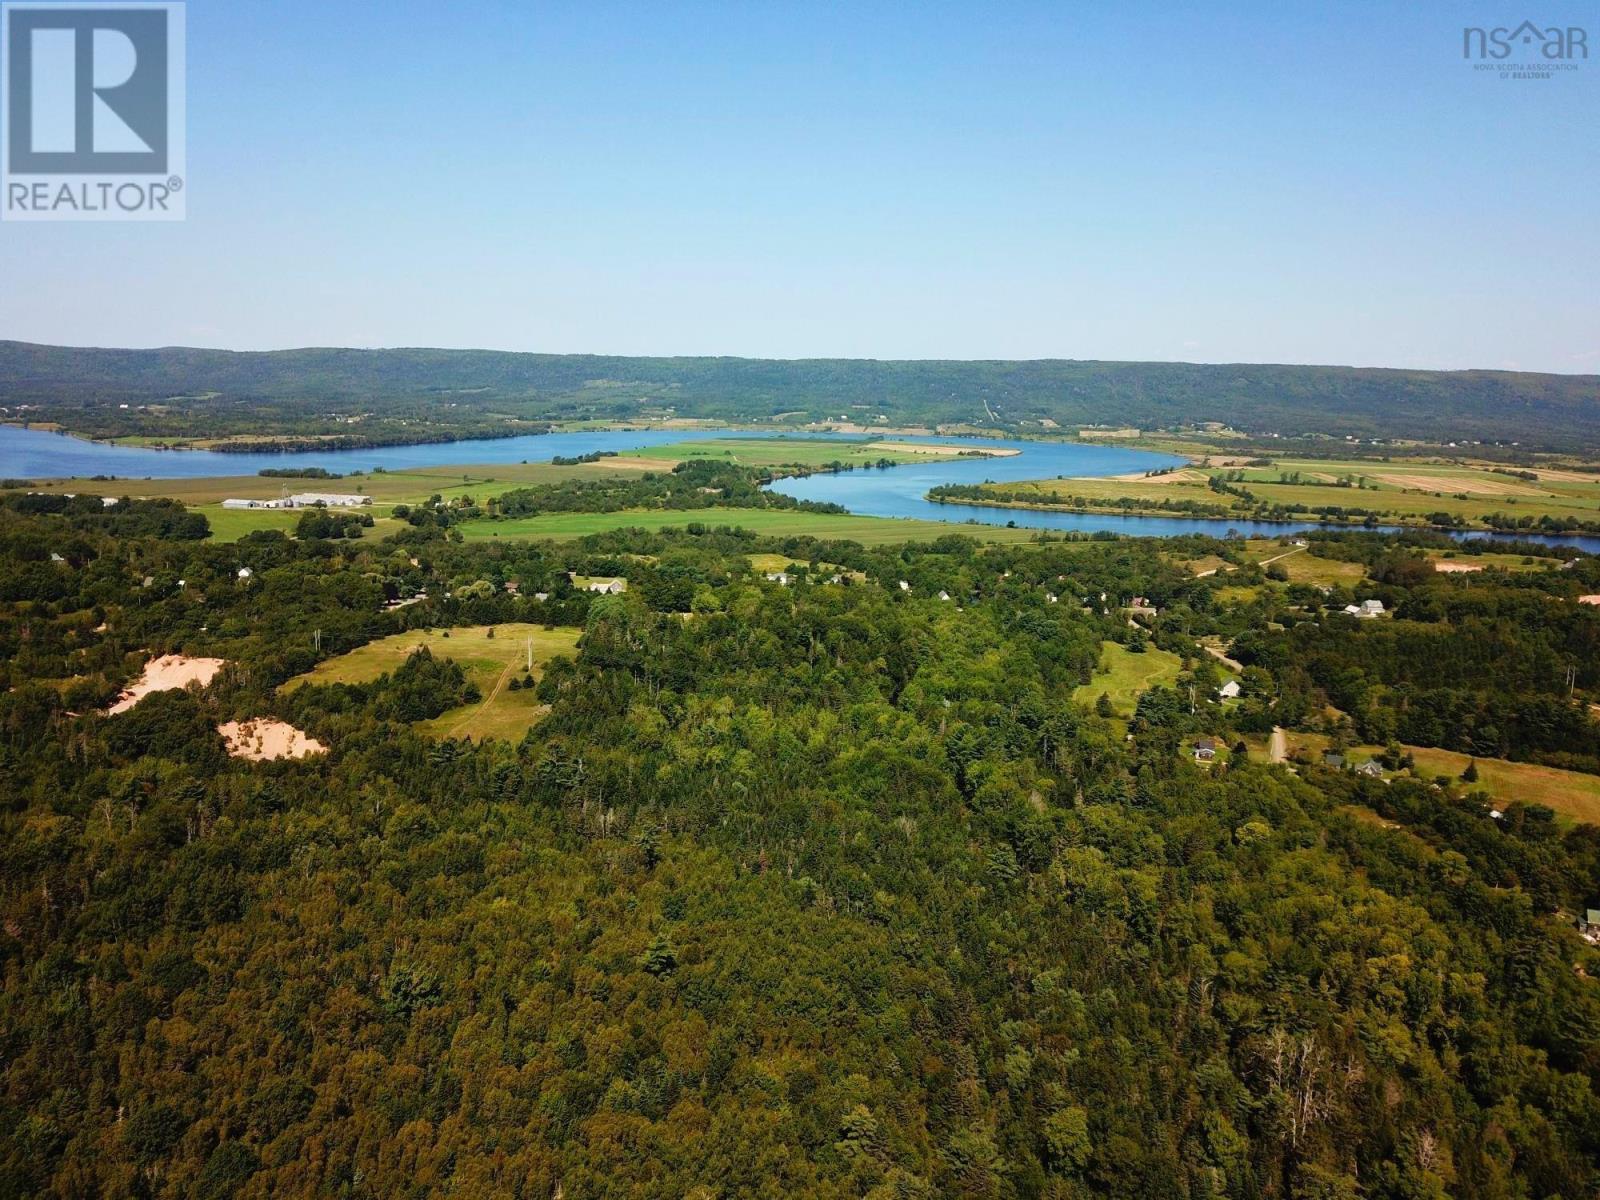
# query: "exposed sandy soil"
[[918, 448], [1456, 568], [1449, 485], [166, 673], [1589, 599], [265, 738]]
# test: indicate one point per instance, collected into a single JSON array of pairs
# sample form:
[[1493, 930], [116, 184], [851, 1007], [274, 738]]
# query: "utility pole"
[[316, 640]]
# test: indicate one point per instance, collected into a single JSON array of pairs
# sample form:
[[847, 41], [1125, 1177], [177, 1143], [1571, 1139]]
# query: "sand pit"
[[1589, 599], [265, 739], [165, 674], [1456, 568]]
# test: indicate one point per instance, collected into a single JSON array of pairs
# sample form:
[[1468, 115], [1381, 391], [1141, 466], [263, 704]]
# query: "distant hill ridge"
[[1259, 398]]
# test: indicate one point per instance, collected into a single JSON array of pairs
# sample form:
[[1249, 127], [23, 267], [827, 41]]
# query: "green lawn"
[[490, 662], [770, 522], [1124, 676]]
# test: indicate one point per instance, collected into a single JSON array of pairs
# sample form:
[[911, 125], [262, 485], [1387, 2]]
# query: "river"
[[896, 492]]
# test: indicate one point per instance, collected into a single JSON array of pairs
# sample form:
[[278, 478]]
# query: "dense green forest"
[[828, 889], [415, 394]]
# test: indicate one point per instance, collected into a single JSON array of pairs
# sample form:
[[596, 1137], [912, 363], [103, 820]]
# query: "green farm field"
[[771, 522], [490, 662]]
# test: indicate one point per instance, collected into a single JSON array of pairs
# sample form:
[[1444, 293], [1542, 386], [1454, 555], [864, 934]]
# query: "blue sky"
[[1269, 183]]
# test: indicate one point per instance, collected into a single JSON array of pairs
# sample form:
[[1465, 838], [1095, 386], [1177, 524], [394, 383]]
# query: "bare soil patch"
[[165, 674], [265, 739]]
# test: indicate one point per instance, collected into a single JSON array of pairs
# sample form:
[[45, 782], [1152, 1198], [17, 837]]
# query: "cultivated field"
[[490, 662]]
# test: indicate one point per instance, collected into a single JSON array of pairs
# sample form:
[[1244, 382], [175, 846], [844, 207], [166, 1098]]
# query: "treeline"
[[694, 483]]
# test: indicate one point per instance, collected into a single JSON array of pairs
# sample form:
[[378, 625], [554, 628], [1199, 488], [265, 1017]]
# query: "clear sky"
[[1300, 182]]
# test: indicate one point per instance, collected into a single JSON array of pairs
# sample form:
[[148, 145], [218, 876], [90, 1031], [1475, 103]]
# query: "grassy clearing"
[[1571, 793], [490, 662], [1124, 676], [1302, 566], [770, 522]]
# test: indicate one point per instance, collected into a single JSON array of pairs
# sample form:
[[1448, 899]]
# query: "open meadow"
[[1123, 676], [1570, 793], [491, 656]]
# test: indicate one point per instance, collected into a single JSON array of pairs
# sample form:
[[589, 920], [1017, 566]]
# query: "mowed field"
[[1410, 490], [1571, 793], [1124, 676], [490, 662], [771, 522]]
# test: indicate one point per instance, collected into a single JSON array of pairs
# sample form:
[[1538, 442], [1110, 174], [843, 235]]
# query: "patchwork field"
[[1406, 490], [1124, 676], [490, 662]]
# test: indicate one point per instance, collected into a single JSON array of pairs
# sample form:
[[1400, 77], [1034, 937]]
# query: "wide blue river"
[[896, 492]]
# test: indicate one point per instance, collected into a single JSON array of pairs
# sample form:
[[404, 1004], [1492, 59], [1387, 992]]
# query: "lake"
[[895, 492]]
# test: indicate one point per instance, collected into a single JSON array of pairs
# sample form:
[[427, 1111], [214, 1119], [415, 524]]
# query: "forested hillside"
[[213, 392], [827, 890]]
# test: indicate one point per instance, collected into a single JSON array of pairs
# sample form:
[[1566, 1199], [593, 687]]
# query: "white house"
[[245, 572], [1229, 690], [1371, 608], [608, 586], [781, 578], [944, 595], [904, 586]]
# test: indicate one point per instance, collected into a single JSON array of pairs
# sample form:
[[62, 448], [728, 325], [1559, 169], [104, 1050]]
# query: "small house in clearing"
[[944, 595], [1372, 770], [1589, 927], [609, 587], [781, 578], [1334, 760], [1205, 749], [1229, 690]]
